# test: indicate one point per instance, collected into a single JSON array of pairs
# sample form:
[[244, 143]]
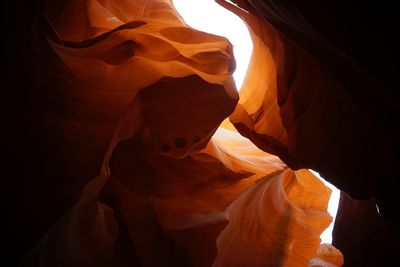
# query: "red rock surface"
[[112, 157]]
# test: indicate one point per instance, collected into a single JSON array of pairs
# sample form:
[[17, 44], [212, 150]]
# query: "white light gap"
[[326, 236], [208, 16]]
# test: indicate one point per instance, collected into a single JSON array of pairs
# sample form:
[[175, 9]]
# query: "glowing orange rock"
[[277, 222], [166, 194], [294, 102]]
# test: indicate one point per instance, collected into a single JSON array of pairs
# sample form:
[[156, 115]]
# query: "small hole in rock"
[[165, 148], [180, 142]]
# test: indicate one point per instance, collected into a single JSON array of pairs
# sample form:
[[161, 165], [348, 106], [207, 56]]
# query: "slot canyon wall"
[[83, 131]]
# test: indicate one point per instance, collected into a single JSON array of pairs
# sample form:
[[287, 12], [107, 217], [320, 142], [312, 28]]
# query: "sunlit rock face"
[[115, 53], [296, 105], [85, 104], [131, 98], [120, 103], [313, 106], [302, 101]]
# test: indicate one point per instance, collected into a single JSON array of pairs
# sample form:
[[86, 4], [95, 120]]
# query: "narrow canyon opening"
[[208, 16]]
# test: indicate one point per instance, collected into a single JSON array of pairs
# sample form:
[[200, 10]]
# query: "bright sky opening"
[[326, 236], [208, 16]]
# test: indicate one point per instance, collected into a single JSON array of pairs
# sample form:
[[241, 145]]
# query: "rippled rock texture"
[[123, 160]]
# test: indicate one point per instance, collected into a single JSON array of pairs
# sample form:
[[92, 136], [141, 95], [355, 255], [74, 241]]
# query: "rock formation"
[[123, 162]]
